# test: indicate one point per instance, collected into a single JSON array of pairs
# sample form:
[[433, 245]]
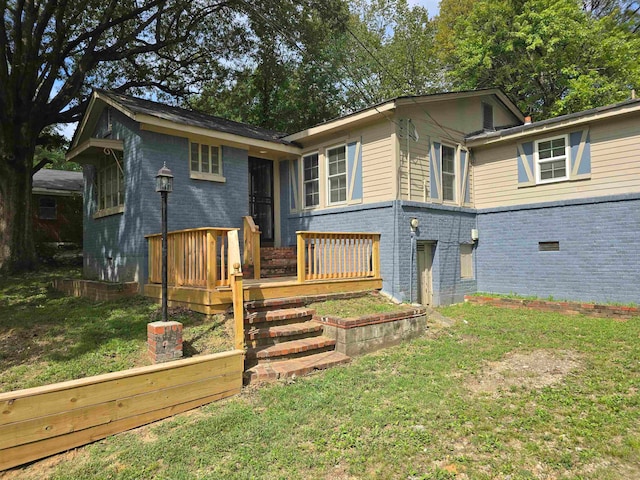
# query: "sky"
[[431, 6]]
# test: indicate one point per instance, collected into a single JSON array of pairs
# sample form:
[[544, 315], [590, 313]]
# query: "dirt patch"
[[532, 370]]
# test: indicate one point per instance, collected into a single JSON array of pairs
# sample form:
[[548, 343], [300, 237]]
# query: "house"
[[57, 206], [463, 194]]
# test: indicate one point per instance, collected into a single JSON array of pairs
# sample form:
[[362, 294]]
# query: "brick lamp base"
[[164, 340]]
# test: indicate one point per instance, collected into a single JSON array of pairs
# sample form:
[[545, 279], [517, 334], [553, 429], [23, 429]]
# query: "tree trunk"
[[17, 248]]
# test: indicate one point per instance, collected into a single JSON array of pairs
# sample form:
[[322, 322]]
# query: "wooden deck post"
[[238, 307], [376, 256], [301, 266], [211, 267]]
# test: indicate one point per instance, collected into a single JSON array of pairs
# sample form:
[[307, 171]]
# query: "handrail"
[[195, 257], [337, 255], [251, 243], [222, 229]]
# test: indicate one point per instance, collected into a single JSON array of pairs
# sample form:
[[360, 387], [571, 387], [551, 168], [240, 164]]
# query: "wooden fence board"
[[41, 421]]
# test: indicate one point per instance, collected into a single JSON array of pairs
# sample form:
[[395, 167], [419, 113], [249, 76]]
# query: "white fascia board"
[[327, 127]]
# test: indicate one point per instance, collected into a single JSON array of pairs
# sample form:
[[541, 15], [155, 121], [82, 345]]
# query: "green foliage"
[[549, 55]]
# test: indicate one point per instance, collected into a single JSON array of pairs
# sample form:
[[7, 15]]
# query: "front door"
[[261, 197], [425, 260]]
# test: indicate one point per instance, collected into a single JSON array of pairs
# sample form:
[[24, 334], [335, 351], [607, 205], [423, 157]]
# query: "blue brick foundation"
[[598, 258]]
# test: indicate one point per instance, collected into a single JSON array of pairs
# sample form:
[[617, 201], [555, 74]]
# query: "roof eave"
[[338, 123], [551, 127], [155, 124]]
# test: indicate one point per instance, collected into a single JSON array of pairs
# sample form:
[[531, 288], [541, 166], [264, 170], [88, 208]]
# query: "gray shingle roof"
[[58, 180], [189, 117], [551, 121]]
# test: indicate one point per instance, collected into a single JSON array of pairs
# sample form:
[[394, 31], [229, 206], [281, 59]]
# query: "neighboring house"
[[57, 206], [546, 208]]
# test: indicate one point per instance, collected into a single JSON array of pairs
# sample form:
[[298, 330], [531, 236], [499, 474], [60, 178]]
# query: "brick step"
[[283, 331], [281, 316], [272, 272], [278, 262], [287, 350], [294, 367], [258, 337], [267, 253], [275, 303]]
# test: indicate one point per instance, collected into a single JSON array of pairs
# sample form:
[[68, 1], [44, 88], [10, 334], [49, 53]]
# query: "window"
[[47, 208], [110, 184], [205, 162], [551, 159], [337, 163], [448, 169], [487, 116], [311, 180], [466, 260]]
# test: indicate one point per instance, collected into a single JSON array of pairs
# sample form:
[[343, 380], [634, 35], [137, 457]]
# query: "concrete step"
[[274, 272], [294, 367], [291, 349]]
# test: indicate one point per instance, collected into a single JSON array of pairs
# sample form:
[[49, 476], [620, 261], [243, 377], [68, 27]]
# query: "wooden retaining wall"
[[38, 422]]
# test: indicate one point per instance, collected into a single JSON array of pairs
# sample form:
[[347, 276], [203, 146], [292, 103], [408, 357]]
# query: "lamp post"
[[164, 185]]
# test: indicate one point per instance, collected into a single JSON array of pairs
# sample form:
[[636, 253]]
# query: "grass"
[[46, 337], [566, 405], [356, 307]]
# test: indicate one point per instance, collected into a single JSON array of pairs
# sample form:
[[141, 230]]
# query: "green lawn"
[[506, 394], [46, 337]]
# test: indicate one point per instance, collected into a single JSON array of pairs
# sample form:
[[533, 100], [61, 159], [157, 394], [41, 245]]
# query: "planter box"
[[566, 308], [356, 336], [94, 290]]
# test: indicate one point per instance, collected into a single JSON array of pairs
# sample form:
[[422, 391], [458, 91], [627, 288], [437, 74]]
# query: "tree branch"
[[40, 165]]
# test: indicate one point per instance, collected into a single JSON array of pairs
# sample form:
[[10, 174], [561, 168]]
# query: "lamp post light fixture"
[[164, 185]]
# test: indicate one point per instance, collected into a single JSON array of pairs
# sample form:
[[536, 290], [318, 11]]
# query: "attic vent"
[[487, 116], [549, 246]]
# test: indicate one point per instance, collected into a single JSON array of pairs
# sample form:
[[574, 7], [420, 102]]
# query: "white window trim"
[[99, 172], [456, 174], [328, 177], [302, 192], [208, 176], [537, 161]]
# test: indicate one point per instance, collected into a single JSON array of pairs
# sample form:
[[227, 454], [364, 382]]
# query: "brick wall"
[[598, 260], [447, 226], [115, 247]]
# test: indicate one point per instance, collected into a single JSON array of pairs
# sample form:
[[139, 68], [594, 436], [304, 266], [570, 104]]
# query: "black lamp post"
[[164, 185]]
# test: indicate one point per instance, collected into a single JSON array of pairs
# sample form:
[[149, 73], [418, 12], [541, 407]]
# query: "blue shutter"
[[434, 172], [294, 181], [464, 177], [354, 171], [526, 168], [580, 162]]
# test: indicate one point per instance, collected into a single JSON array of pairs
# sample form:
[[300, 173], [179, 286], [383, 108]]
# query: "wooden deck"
[[219, 299]]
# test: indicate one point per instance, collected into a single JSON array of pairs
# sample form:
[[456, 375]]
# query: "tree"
[[53, 52], [551, 56], [286, 81]]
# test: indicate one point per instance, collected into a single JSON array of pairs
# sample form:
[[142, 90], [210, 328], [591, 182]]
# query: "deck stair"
[[283, 341]]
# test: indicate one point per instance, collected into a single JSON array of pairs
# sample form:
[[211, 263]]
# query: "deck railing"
[[251, 241], [338, 255], [195, 257]]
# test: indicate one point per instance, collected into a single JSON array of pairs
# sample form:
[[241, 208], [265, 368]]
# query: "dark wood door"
[[261, 196]]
